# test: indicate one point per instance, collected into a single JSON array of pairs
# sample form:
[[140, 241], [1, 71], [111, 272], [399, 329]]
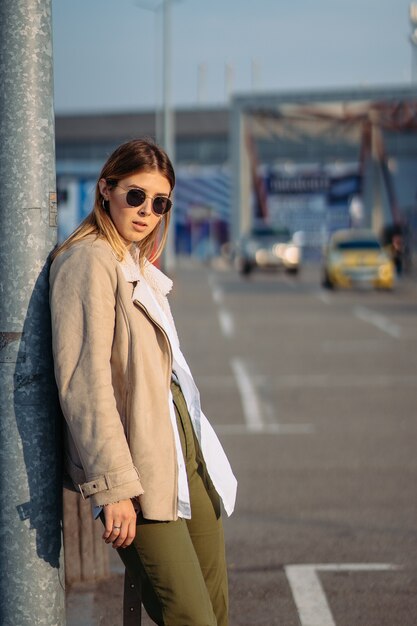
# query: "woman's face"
[[135, 223]]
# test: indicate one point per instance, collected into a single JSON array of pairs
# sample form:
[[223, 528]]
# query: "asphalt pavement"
[[313, 394]]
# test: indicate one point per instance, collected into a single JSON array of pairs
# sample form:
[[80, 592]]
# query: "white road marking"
[[226, 322], [378, 320], [309, 597], [216, 291], [266, 429], [217, 294], [323, 296], [252, 409], [251, 406]]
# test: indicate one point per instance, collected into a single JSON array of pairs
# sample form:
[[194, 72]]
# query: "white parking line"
[[309, 597], [250, 403], [226, 322], [265, 429], [378, 320], [217, 294], [252, 410], [323, 296]]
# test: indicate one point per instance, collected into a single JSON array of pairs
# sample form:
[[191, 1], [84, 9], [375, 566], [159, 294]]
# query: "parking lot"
[[314, 395]]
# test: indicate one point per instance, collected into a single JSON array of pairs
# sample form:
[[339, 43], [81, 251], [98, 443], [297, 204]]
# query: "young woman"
[[137, 443]]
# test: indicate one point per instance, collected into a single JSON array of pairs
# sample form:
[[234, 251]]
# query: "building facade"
[[303, 158]]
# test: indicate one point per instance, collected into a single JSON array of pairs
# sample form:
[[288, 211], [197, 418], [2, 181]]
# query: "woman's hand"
[[120, 523]]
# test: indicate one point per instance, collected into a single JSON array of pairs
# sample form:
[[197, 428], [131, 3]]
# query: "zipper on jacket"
[[171, 358]]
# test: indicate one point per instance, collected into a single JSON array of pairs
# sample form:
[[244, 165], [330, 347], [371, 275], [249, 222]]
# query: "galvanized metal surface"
[[32, 588]]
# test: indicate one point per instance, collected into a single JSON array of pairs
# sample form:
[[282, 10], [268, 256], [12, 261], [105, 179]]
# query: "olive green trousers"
[[180, 566]]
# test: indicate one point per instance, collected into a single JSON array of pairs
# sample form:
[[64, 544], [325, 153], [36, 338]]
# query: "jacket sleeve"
[[83, 290]]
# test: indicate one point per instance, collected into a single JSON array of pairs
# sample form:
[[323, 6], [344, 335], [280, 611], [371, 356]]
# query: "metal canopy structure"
[[366, 126]]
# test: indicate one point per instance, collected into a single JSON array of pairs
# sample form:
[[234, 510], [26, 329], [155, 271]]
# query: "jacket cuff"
[[119, 484]]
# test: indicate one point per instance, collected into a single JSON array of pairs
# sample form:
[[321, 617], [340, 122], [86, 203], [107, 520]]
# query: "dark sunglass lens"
[[135, 197], [161, 205]]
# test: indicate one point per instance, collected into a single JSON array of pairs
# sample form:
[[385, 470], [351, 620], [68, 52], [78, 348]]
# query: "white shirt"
[[218, 466]]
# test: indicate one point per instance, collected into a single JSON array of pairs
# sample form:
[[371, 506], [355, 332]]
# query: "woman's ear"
[[104, 190]]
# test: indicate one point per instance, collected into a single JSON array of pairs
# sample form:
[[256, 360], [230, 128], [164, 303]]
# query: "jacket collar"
[[154, 277], [149, 278]]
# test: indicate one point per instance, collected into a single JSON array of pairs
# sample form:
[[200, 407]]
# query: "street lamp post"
[[168, 126], [413, 41], [168, 132]]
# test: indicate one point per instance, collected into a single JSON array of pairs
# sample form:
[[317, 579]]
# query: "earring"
[[105, 205]]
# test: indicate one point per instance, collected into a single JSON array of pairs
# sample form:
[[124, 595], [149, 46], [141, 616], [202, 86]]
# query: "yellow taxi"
[[356, 258]]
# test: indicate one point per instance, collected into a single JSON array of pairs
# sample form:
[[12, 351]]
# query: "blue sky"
[[107, 53]]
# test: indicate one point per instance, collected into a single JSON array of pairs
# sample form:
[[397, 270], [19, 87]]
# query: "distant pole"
[[31, 565], [168, 122], [201, 83], [157, 48], [228, 81], [158, 82], [255, 75], [166, 134], [413, 41]]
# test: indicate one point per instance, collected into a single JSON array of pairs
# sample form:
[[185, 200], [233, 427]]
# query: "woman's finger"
[[118, 518], [118, 535], [130, 534], [115, 532]]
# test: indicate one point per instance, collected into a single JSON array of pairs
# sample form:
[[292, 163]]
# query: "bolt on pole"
[[32, 580]]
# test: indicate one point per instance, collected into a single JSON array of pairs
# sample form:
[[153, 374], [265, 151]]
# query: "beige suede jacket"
[[113, 366]]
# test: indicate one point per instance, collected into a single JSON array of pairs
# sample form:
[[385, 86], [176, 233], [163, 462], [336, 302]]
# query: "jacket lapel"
[[141, 294]]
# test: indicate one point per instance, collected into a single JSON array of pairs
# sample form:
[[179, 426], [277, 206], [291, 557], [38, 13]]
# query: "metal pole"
[[413, 41], [201, 84], [158, 85], [228, 81], [168, 122], [31, 584]]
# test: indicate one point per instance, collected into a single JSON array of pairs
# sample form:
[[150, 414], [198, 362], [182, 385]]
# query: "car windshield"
[[362, 244], [278, 234]]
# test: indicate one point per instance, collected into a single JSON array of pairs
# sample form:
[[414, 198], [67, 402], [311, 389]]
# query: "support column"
[[31, 564]]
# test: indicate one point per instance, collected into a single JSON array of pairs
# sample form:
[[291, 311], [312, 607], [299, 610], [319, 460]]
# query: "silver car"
[[267, 247]]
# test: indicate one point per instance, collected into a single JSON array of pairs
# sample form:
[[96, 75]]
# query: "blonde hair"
[[129, 158]]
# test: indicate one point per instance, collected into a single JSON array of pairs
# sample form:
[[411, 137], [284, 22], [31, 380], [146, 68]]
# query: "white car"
[[268, 247]]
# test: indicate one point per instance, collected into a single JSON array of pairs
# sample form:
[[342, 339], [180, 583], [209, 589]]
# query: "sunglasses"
[[137, 196]]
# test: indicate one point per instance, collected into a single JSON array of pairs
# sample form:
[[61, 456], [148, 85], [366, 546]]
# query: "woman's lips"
[[139, 225]]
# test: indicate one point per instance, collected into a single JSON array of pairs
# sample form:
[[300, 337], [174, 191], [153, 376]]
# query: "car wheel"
[[326, 282], [292, 270], [245, 267]]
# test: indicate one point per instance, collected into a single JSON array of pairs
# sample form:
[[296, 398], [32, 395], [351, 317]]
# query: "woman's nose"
[[146, 207]]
